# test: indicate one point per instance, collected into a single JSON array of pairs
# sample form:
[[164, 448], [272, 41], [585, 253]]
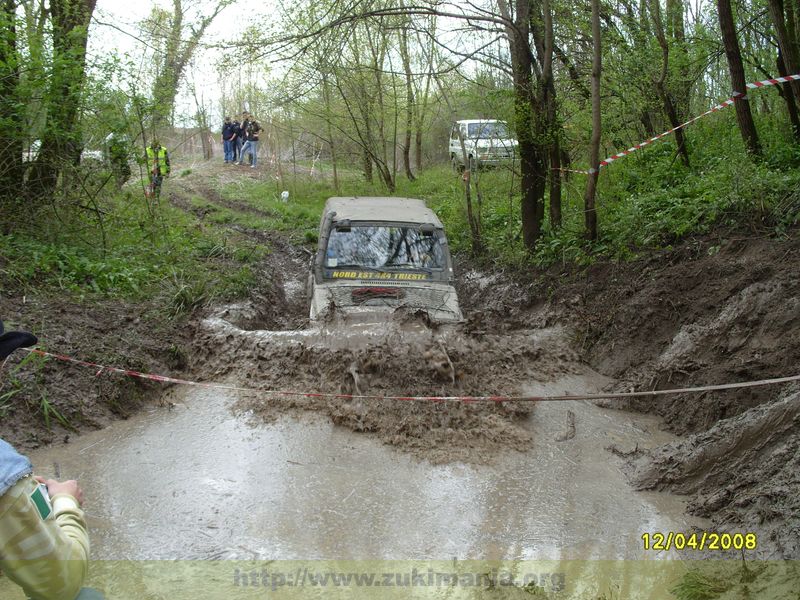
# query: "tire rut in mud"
[[277, 301]]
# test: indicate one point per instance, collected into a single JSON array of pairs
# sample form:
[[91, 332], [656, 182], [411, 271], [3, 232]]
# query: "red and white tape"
[[554, 398], [736, 96]]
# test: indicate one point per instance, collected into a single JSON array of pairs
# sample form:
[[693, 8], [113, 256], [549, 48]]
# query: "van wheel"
[[473, 164]]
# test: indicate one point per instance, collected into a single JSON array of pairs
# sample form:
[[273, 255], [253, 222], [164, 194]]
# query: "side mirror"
[[427, 229]]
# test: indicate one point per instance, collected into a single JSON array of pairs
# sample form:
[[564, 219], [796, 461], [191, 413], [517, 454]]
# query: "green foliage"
[[145, 255], [69, 268], [646, 201]]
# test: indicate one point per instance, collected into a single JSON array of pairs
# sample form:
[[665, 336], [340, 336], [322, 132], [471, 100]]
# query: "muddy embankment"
[[44, 401], [711, 311]]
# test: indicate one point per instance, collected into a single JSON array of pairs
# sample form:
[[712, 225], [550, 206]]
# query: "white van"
[[378, 255], [487, 142]]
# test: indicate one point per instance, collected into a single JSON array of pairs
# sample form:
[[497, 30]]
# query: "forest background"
[[360, 97]]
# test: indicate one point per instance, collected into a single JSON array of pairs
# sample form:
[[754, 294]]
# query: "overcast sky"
[[124, 16]]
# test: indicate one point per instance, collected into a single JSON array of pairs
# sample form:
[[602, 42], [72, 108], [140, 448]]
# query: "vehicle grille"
[[380, 295]]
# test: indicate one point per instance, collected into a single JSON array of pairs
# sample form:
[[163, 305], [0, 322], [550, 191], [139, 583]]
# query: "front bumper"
[[439, 301]]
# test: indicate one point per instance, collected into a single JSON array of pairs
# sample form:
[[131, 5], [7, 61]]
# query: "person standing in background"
[[237, 139], [228, 137], [157, 166], [251, 143]]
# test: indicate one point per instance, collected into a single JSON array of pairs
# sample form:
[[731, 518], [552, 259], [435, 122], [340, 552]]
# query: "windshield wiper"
[[409, 266], [348, 265], [361, 268]]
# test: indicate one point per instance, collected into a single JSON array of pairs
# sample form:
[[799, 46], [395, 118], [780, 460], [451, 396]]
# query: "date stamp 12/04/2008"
[[706, 540]]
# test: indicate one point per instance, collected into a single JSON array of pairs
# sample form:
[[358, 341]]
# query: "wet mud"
[[714, 309], [197, 481], [744, 471], [397, 357]]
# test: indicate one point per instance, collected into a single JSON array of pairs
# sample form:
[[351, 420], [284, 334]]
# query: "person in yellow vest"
[[157, 166], [44, 544]]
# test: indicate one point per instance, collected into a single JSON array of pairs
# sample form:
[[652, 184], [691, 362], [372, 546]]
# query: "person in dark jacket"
[[228, 137], [237, 139], [251, 143]]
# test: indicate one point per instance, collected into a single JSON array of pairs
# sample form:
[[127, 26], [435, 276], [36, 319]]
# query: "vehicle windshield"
[[486, 130], [385, 247]]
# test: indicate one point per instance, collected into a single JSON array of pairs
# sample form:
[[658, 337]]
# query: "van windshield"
[[487, 130], [385, 247]]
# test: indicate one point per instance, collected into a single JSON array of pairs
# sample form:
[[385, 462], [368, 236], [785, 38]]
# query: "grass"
[[647, 201], [142, 251]]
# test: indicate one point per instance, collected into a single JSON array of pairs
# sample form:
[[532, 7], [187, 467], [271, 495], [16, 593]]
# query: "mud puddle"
[[196, 481], [216, 474]]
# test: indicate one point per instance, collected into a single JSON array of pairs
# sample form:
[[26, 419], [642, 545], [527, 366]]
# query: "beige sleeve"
[[49, 557]]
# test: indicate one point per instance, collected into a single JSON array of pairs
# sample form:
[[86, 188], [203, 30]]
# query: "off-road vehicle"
[[381, 255], [487, 142]]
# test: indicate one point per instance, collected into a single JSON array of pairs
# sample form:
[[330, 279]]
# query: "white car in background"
[[487, 142]]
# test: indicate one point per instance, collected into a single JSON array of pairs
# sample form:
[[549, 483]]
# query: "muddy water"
[[195, 481]]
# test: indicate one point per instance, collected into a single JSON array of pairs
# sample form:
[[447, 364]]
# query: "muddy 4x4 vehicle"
[[487, 142], [378, 255]]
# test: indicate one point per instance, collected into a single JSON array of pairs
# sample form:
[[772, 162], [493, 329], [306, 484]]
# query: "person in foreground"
[[44, 543]]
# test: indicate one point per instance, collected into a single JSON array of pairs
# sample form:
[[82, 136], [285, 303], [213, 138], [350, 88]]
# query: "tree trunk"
[[409, 104], [553, 126], [677, 32], [594, 145], [366, 160], [532, 161], [660, 84], [386, 175], [786, 45], [555, 185], [327, 98], [11, 147], [378, 53], [475, 237], [418, 149], [205, 143], [788, 97], [647, 123], [61, 141], [731, 43]]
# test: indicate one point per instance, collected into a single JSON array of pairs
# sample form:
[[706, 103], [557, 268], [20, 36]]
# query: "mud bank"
[[48, 401], [743, 471], [713, 310]]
